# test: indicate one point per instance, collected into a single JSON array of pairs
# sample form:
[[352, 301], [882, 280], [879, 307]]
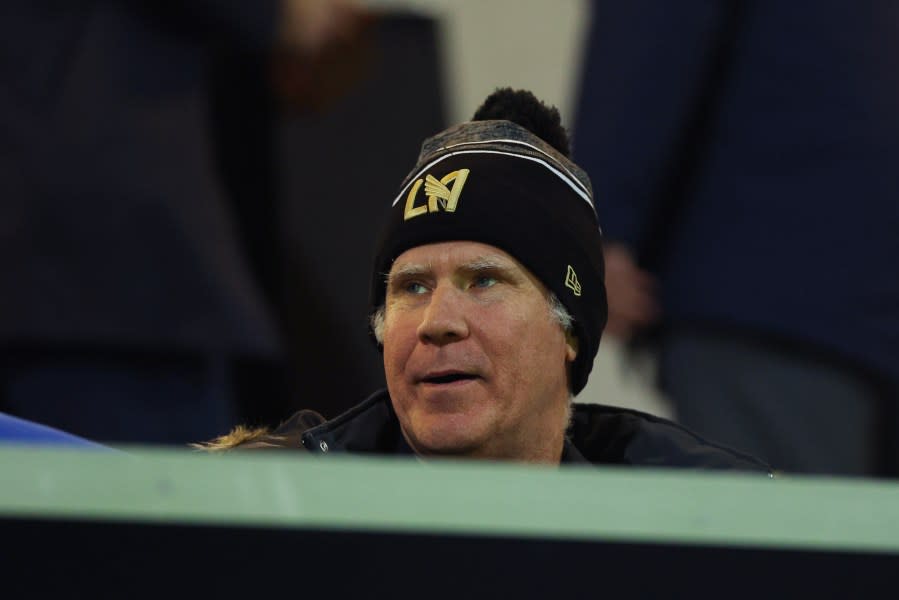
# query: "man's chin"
[[445, 436]]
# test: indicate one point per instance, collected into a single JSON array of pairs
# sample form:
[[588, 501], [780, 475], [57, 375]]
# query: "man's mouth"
[[448, 377]]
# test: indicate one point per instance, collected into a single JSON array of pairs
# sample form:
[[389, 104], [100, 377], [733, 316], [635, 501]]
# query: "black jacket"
[[598, 434]]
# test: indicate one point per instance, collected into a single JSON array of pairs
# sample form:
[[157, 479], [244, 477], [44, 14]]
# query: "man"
[[488, 303]]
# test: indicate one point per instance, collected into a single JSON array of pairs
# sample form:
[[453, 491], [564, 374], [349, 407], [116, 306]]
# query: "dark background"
[[309, 187]]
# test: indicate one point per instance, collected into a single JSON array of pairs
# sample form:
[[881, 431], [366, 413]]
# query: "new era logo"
[[571, 281]]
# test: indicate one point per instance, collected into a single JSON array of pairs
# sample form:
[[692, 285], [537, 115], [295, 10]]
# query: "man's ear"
[[571, 346]]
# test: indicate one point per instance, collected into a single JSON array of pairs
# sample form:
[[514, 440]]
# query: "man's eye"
[[484, 281], [414, 287]]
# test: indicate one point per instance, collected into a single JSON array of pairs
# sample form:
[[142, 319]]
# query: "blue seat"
[[19, 431]]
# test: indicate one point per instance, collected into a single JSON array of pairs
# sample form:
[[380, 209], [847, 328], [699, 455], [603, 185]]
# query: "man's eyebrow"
[[476, 265], [486, 263], [407, 271]]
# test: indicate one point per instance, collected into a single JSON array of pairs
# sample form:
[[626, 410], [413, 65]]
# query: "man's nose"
[[444, 319]]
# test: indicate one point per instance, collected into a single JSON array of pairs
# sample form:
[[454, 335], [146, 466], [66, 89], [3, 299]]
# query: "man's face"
[[475, 363]]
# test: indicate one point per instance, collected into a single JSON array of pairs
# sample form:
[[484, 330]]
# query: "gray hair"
[[557, 312]]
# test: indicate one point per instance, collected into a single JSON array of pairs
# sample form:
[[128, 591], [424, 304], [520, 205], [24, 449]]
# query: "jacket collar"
[[598, 434], [571, 455], [370, 427], [373, 428]]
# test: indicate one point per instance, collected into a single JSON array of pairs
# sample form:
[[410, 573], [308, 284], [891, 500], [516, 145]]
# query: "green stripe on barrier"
[[293, 490]]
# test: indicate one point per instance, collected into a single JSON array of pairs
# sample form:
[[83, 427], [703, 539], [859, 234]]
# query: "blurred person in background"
[[744, 156], [126, 298]]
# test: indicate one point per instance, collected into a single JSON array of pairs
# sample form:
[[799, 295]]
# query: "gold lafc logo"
[[571, 281], [439, 195]]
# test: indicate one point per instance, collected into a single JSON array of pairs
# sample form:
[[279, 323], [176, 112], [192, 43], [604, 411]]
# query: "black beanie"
[[497, 183]]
